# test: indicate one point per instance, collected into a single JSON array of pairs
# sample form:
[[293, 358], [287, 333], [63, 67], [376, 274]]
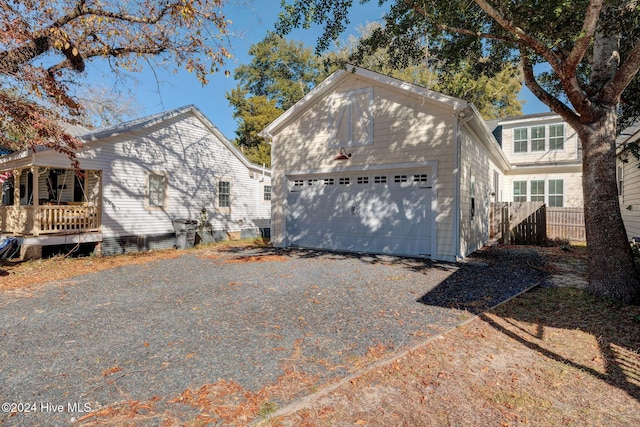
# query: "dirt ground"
[[552, 356], [26, 276]]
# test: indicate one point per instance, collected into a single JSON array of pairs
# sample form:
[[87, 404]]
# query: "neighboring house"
[[628, 175], [138, 177], [369, 163], [545, 157]]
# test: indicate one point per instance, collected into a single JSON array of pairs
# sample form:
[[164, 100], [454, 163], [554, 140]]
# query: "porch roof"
[[16, 160]]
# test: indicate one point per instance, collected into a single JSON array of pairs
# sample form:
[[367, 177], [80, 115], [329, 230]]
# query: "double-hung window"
[[556, 193], [537, 191], [537, 138], [620, 180], [520, 140], [224, 194], [156, 190], [519, 191], [556, 137]]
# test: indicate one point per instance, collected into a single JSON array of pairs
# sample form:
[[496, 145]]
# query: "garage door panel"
[[370, 214]]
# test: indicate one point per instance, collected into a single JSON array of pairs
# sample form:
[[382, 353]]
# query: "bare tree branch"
[[551, 101], [457, 30], [589, 26], [523, 37]]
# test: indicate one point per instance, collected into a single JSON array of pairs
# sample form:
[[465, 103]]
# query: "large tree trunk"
[[612, 271]]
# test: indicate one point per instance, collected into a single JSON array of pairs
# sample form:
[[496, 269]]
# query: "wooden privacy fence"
[[566, 224], [533, 223]]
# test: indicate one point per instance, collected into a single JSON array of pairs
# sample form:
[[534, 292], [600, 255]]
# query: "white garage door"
[[366, 212]]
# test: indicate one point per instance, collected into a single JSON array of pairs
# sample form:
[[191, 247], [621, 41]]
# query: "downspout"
[[460, 117]]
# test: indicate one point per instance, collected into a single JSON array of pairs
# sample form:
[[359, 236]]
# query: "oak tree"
[[45, 46], [279, 74], [581, 58]]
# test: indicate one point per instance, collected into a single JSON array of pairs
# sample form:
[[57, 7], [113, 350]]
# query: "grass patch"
[[267, 409]]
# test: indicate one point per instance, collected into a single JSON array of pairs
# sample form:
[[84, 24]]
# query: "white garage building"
[[368, 163]]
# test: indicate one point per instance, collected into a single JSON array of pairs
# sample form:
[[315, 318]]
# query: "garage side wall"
[[476, 186], [408, 131]]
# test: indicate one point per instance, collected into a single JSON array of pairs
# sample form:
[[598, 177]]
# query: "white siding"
[[185, 150], [564, 164], [477, 170], [407, 129], [572, 182], [630, 199]]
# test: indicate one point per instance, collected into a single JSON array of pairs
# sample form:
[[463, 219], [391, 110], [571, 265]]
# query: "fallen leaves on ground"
[[257, 258], [22, 275]]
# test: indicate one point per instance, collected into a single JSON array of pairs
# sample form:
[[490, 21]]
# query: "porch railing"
[[61, 218], [50, 219]]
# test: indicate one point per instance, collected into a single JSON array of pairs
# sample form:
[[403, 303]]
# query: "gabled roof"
[[458, 105], [630, 135], [136, 124], [339, 76], [488, 138], [75, 129], [145, 122], [525, 118]]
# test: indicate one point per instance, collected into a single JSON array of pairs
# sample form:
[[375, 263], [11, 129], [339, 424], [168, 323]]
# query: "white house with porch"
[[136, 179]]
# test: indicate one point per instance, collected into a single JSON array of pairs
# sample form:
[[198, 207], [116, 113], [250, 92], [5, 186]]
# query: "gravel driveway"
[[158, 329]]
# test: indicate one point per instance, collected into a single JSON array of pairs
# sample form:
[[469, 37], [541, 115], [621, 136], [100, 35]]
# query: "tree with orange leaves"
[[46, 44]]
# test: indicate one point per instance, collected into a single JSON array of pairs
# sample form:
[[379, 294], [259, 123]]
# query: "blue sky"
[[157, 90]]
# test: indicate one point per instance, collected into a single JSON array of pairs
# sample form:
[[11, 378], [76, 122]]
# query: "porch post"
[[16, 188], [36, 196]]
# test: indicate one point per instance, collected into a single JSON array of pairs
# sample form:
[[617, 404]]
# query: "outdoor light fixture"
[[342, 155]]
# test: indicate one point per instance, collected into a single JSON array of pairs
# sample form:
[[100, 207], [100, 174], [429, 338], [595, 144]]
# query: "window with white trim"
[[344, 181], [224, 194], [267, 193], [519, 191], [380, 179], [328, 181], [400, 178], [537, 138], [556, 193], [534, 138], [537, 191], [157, 185], [520, 140], [556, 137], [620, 175], [362, 180]]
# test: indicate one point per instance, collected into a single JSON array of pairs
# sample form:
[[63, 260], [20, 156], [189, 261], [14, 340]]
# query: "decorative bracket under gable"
[[351, 118]]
